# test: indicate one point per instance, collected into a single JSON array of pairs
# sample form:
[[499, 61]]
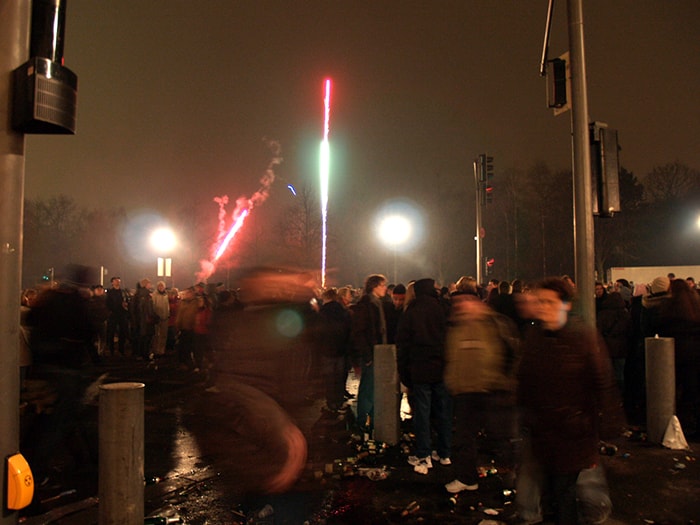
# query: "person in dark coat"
[[566, 391], [420, 341], [614, 322], [368, 329], [333, 341], [61, 336], [679, 317], [118, 320]]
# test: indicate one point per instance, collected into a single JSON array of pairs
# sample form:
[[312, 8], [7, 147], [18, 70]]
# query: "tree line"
[[528, 231]]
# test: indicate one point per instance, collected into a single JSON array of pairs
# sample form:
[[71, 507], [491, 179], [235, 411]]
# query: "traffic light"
[[605, 169], [485, 172], [488, 264]]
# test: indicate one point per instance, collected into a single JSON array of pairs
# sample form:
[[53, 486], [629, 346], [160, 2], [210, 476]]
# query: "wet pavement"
[[209, 457]]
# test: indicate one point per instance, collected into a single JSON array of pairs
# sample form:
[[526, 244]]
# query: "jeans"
[[432, 399], [365, 396]]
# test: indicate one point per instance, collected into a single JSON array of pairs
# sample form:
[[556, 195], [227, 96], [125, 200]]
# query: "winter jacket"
[[481, 355], [420, 337], [565, 383]]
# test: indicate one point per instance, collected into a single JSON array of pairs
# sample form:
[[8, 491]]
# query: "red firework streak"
[[243, 208]]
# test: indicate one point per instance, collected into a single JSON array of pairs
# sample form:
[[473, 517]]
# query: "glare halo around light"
[[400, 224]]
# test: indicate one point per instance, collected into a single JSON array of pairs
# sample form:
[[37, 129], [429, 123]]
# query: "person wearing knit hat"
[[161, 310], [652, 304], [660, 285]]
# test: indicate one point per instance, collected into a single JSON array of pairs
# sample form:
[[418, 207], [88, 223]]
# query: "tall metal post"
[[583, 207], [14, 50], [477, 237]]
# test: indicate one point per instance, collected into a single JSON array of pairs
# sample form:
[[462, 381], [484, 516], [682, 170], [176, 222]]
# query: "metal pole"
[[661, 385], [14, 50], [477, 237], [583, 208], [121, 446]]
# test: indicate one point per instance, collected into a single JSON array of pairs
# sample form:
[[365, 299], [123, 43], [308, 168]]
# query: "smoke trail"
[[243, 208]]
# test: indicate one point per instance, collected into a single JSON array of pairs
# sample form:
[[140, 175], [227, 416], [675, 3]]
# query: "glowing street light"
[[163, 240], [400, 225], [395, 230]]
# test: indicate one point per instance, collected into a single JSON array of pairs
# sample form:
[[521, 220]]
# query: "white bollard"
[[661, 385], [121, 452]]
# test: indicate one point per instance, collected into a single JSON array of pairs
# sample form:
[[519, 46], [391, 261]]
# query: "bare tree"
[[673, 181], [299, 231]]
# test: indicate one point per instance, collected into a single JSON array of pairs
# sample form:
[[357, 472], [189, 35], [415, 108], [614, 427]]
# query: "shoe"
[[443, 461], [420, 465], [455, 486]]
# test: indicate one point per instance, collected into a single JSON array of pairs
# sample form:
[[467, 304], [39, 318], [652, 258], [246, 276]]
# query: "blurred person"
[[635, 364], [398, 299], [505, 303], [651, 306], [410, 294], [491, 293], [173, 304], [61, 335], [368, 329], [624, 288], [614, 322], [25, 353], [467, 282], [161, 312], [99, 313], [692, 284], [480, 363], [185, 324], [679, 317], [333, 340], [601, 293], [143, 319], [420, 342], [202, 351], [570, 281], [568, 397], [118, 320]]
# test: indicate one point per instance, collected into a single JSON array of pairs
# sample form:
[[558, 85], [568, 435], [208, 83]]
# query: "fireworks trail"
[[325, 160], [243, 208]]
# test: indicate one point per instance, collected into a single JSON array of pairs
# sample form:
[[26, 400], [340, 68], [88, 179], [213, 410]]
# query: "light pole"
[[163, 242]]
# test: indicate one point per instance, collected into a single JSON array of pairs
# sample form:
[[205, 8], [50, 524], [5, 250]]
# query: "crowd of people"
[[510, 360], [514, 362]]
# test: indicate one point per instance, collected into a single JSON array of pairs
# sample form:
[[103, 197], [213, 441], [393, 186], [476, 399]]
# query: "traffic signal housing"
[[605, 169], [485, 171]]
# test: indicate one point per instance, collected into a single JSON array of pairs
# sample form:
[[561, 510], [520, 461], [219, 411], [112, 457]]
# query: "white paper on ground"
[[673, 437]]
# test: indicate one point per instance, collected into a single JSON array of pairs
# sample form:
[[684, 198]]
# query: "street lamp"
[[164, 242], [395, 230]]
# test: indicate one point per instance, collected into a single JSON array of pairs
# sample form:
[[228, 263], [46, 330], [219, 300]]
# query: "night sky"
[[175, 97]]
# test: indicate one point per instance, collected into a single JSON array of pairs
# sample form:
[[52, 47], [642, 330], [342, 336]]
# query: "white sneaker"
[[455, 486], [443, 461], [420, 465]]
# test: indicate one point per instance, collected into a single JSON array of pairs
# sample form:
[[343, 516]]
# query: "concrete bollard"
[[661, 385], [121, 453], [387, 395]]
